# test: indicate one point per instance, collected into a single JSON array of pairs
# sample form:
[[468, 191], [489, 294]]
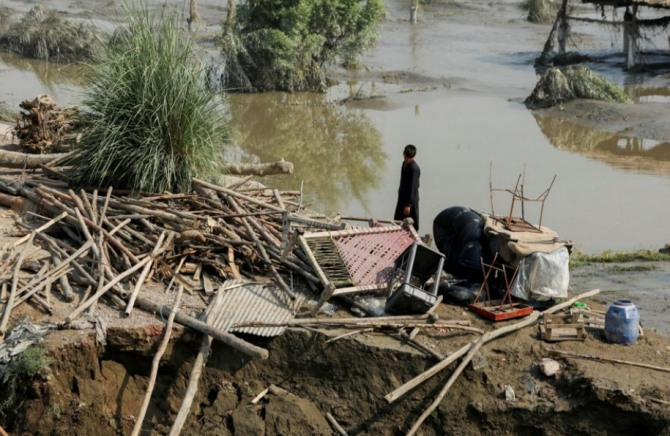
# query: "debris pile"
[[43, 127], [101, 243]]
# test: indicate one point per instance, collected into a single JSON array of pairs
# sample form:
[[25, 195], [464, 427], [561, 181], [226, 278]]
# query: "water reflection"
[[336, 151], [625, 152], [49, 74]]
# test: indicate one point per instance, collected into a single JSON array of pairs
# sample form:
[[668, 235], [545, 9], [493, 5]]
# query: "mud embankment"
[[91, 390]]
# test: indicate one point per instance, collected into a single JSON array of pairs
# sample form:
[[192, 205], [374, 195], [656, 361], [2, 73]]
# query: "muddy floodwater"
[[453, 85]]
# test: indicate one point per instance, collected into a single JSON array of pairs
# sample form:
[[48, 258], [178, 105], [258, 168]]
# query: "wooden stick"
[[40, 228], [143, 275], [489, 336], [605, 359], [156, 362], [473, 350], [3, 432], [15, 281], [415, 330], [261, 249], [344, 335], [107, 287], [258, 397], [192, 388], [335, 425]]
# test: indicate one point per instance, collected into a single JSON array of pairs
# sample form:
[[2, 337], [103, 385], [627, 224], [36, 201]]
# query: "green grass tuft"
[[153, 123], [24, 366], [579, 259]]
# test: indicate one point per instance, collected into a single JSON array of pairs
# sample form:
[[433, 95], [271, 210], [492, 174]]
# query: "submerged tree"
[[153, 123], [286, 44]]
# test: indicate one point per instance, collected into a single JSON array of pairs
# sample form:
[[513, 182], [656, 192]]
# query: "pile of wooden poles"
[[112, 241]]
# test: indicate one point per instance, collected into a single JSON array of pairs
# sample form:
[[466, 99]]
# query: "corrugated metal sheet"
[[245, 301]]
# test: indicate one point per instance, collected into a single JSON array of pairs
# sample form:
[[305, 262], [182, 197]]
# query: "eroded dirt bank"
[[96, 390]]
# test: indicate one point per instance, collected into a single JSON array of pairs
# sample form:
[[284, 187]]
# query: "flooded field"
[[452, 84]]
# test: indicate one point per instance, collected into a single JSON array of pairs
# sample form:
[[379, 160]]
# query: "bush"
[[284, 45], [42, 34], [153, 123]]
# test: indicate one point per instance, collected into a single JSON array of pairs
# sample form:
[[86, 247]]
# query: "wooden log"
[[261, 169], [15, 159], [489, 336], [225, 337], [606, 359], [156, 362]]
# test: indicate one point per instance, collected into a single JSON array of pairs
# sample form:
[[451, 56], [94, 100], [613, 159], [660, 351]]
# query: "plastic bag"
[[542, 276]]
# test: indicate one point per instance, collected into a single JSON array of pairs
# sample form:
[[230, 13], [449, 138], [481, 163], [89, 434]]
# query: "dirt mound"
[[92, 389]]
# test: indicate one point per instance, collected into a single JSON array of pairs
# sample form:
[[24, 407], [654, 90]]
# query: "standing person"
[[408, 192]]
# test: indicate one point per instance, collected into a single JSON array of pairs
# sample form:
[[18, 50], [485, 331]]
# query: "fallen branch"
[[605, 359]]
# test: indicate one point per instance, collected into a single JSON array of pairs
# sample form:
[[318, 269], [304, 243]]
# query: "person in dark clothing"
[[408, 192]]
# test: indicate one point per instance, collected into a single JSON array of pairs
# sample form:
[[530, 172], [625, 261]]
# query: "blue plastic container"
[[622, 322]]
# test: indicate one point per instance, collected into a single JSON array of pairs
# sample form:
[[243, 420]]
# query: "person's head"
[[409, 152]]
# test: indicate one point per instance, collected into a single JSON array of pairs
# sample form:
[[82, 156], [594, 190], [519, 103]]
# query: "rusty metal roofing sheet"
[[245, 301]]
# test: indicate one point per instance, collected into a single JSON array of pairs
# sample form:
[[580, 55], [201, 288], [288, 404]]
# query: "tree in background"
[[152, 123], [285, 45]]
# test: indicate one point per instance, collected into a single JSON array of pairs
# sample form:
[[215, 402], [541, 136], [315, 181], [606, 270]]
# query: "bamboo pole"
[[487, 337], [156, 362]]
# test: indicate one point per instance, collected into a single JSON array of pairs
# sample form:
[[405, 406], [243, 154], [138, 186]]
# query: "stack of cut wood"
[[43, 127], [108, 244]]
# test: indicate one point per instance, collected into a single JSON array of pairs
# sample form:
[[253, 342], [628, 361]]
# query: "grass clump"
[[152, 124], [576, 81], [42, 34], [579, 259]]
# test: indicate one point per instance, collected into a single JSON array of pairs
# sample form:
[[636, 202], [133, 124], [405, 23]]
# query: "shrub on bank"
[[42, 34], [152, 124]]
